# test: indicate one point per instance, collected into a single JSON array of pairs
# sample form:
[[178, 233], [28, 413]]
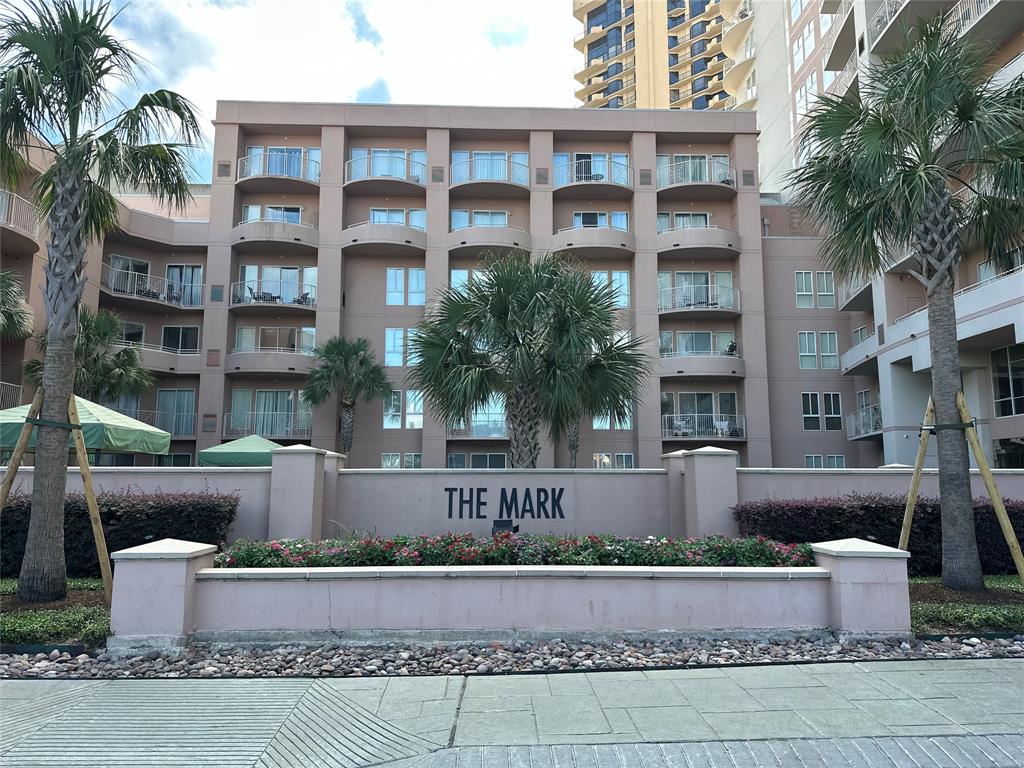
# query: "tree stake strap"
[[955, 425], [55, 424]]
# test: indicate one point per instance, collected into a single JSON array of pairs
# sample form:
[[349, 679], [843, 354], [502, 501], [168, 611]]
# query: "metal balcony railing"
[[151, 287], [294, 350], [157, 348], [864, 422], [490, 169], [965, 289], [277, 217], [10, 395], [402, 168], [273, 292], [886, 12], [689, 426], [730, 351], [964, 13], [707, 171], [611, 53], [18, 213], [593, 226], [493, 428], [267, 424], [698, 297], [593, 172], [280, 163]]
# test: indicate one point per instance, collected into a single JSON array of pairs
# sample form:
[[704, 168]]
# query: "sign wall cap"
[[857, 548], [165, 549]]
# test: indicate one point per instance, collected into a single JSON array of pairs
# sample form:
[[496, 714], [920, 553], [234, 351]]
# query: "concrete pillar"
[[296, 493], [332, 463], [710, 492], [154, 589], [868, 591], [675, 495]]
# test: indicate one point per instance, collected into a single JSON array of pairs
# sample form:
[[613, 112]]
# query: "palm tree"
[[101, 372], [926, 162], [347, 370], [59, 66], [527, 332], [15, 315]]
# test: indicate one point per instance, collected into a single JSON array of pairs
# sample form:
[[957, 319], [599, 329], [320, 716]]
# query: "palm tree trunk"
[[572, 439], [523, 417], [961, 566], [346, 424]]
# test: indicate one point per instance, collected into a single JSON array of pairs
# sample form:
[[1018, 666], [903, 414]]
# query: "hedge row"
[[879, 518], [129, 519]]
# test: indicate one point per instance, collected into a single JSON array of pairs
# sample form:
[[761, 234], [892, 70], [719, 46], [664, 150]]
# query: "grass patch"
[[937, 611], [10, 586], [89, 625]]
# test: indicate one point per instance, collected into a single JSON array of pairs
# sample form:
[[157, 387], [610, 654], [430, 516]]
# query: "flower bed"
[[515, 549]]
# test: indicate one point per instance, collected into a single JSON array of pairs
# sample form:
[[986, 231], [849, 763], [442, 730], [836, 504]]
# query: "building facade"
[[340, 219]]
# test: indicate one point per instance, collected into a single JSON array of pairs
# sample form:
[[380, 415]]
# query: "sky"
[[477, 52]]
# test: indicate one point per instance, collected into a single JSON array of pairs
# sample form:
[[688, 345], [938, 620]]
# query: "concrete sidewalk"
[[914, 713]]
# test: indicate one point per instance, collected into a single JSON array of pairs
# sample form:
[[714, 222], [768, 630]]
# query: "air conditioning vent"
[[541, 176], [645, 177], [216, 293], [437, 174], [213, 357], [223, 170], [748, 179]]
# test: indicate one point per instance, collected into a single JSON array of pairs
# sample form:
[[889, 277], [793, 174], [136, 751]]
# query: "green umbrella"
[[252, 451], [103, 430]]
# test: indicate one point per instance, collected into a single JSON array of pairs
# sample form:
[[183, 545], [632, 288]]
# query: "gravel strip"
[[554, 655]]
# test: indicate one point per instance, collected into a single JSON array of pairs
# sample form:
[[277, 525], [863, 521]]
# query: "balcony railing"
[[271, 217], [965, 289], [845, 77], [731, 351], [280, 163], [593, 226], [10, 395], [707, 171], [886, 12], [481, 427], [864, 422], [964, 13], [689, 426], [151, 287], [273, 292], [611, 53], [698, 297], [488, 169], [593, 172], [18, 213], [829, 39], [268, 424], [158, 348], [401, 168], [288, 350]]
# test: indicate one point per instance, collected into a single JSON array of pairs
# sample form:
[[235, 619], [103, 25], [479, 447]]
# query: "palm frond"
[[16, 318]]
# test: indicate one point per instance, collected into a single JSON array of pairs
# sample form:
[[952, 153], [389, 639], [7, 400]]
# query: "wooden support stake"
[[20, 447], [915, 480], [90, 499], [990, 486]]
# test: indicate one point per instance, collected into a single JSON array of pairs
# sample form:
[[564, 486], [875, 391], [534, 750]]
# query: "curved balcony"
[[593, 180], [735, 34], [268, 424], [699, 301], [484, 177], [132, 289], [370, 238], [19, 222], [279, 294], [737, 71], [695, 180], [278, 171], [274, 234], [278, 360], [703, 426], [594, 242], [167, 359], [867, 422], [715, 365], [594, 64], [841, 39], [480, 428], [710, 242], [385, 176], [471, 241]]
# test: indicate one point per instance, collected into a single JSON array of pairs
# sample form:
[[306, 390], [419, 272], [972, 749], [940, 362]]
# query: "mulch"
[[76, 598], [936, 593]]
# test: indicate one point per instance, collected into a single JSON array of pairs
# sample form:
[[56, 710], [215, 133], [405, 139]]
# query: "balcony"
[[278, 171], [132, 289], [277, 360], [717, 365], [697, 180], [593, 180], [280, 294], [862, 358], [268, 424], [840, 42], [594, 63], [885, 29], [594, 242], [489, 178], [856, 294], [375, 238], [385, 176], [867, 422], [703, 426], [991, 22], [480, 428], [699, 301], [168, 359], [10, 395], [275, 234], [847, 77], [710, 242], [472, 241], [19, 223], [179, 425], [738, 70]]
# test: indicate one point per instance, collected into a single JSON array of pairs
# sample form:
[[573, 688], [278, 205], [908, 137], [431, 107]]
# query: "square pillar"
[[710, 492], [296, 493], [331, 515], [675, 492]]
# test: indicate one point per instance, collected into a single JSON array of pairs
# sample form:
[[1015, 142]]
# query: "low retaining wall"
[[167, 592]]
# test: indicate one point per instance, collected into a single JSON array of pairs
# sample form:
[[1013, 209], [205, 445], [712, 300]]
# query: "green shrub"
[[10, 586], [959, 617], [129, 519], [879, 518], [89, 625], [513, 549]]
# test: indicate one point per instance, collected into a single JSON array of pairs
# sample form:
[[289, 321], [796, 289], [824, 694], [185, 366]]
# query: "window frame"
[[810, 408], [813, 353]]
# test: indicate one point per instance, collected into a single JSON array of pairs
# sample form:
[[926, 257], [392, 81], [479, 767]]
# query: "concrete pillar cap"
[[857, 548], [298, 449], [165, 549], [709, 450]]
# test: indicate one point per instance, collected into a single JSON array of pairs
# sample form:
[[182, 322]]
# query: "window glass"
[[459, 278], [826, 290], [417, 286], [811, 413], [804, 290], [829, 349], [624, 461], [812, 461], [456, 461], [413, 461], [620, 284], [393, 410], [833, 411], [418, 218], [602, 461], [459, 218], [808, 352], [394, 347], [1008, 380], [390, 460], [835, 461], [245, 339], [395, 286], [413, 409]]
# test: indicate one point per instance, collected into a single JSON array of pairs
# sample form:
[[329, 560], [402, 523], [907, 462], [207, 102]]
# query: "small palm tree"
[[15, 314], [527, 332], [102, 371], [347, 370], [926, 161], [59, 66]]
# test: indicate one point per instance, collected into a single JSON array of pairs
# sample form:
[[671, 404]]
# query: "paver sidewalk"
[[920, 713]]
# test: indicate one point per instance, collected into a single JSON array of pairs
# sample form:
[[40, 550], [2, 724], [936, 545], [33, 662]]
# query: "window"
[[413, 461], [390, 460], [829, 349], [175, 411], [394, 347], [619, 282], [1008, 380], [804, 290], [289, 213], [624, 461], [602, 461], [417, 286], [833, 411], [803, 45], [395, 283], [487, 461], [387, 215], [835, 461], [181, 338], [456, 461], [812, 461], [459, 278], [812, 416], [808, 351], [132, 333], [605, 421], [826, 290], [393, 410], [413, 409], [459, 218], [490, 218], [395, 290], [601, 220], [174, 460], [100, 459]]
